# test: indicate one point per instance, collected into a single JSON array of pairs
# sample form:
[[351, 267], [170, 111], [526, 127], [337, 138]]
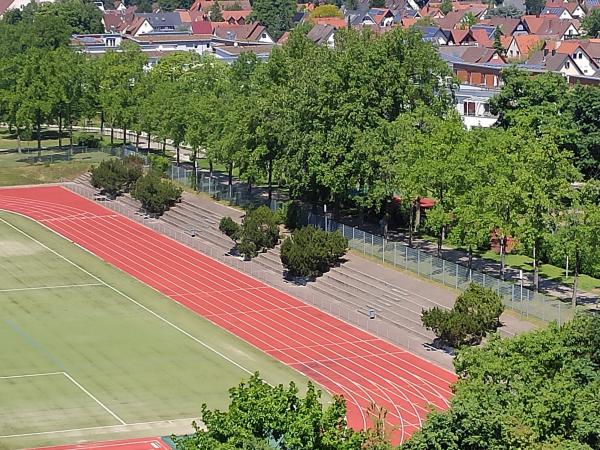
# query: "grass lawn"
[[89, 353], [20, 168], [585, 282]]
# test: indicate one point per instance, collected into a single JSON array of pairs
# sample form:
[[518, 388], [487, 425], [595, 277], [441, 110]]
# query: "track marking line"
[[145, 308], [64, 286], [106, 408], [72, 430]]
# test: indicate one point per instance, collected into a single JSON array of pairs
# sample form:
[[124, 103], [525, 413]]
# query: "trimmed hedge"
[[309, 252]]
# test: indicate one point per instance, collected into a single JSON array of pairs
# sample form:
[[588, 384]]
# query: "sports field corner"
[[83, 361], [343, 359]]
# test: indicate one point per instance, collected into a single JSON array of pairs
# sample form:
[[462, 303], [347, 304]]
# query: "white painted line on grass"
[[38, 288], [158, 316], [73, 430], [106, 408], [27, 375]]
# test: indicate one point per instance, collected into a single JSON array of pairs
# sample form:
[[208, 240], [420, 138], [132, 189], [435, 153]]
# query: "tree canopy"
[[535, 391]]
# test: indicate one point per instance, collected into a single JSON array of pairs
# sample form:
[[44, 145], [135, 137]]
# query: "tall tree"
[[121, 71], [534, 391], [34, 105], [276, 15], [214, 13]]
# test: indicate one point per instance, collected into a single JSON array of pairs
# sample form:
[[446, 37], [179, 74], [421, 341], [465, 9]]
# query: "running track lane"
[[342, 358]]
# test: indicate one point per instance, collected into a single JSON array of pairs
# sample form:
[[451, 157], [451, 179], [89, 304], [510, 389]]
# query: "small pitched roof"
[[461, 36], [482, 55], [235, 15], [451, 20], [162, 19], [553, 62], [319, 34], [482, 37], [249, 32], [592, 47], [5, 5], [284, 37], [569, 6], [205, 5], [335, 22], [508, 25], [202, 27], [526, 43]]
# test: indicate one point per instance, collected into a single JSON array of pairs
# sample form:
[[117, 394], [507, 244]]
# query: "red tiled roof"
[[335, 22], [202, 27]]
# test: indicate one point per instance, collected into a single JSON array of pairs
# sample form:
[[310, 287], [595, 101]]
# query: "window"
[[469, 108], [264, 35], [110, 42], [580, 56], [567, 65]]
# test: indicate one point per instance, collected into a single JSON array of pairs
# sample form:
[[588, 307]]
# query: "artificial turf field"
[[89, 353]]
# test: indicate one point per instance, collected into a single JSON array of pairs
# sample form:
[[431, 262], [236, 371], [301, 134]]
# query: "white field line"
[[108, 427], [38, 288], [28, 375], [158, 316], [72, 380], [106, 408]]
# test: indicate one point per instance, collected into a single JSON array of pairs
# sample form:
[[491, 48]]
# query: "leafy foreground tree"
[[475, 313], [261, 416], [535, 391]]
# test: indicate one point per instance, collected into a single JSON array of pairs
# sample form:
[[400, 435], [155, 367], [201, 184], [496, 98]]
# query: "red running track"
[[342, 358]]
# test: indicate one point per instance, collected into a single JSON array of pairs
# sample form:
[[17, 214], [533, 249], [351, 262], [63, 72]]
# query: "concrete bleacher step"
[[359, 305], [386, 305], [203, 230]]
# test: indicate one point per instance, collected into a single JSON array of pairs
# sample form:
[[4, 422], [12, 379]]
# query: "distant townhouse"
[[582, 59], [522, 45]]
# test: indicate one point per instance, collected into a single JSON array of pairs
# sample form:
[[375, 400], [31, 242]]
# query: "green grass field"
[[89, 353]]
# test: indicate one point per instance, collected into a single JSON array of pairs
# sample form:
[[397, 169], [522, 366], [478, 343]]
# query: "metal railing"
[[414, 340], [515, 296]]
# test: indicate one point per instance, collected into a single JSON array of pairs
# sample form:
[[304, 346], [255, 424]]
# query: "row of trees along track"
[[331, 128]]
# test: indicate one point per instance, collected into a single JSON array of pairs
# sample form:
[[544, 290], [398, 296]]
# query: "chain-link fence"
[[515, 296], [216, 187], [413, 341], [83, 154]]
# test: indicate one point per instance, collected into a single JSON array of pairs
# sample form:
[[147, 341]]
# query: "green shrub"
[[134, 169], [261, 227], [86, 140], [309, 252], [110, 176], [155, 194], [114, 176], [476, 312], [291, 215], [230, 228], [247, 249], [159, 163]]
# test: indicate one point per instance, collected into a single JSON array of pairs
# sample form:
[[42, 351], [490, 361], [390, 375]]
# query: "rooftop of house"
[[319, 34], [162, 19], [248, 32]]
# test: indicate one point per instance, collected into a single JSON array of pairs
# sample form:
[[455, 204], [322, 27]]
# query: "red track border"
[[342, 358]]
